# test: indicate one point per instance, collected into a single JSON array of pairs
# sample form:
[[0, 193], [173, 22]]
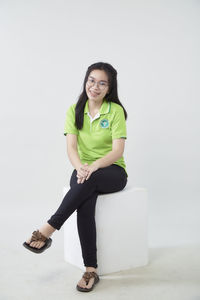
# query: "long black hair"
[[111, 96]]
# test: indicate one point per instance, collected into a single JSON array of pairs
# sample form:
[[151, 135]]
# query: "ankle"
[[47, 230], [91, 269]]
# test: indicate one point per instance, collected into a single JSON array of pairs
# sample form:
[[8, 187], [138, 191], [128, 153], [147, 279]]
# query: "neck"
[[94, 105]]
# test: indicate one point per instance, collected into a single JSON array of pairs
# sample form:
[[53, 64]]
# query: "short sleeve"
[[70, 126], [119, 124]]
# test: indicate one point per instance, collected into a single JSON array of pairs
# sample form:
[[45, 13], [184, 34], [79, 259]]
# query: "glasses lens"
[[101, 84]]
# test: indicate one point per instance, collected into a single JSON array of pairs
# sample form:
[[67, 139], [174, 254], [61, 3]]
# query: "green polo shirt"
[[94, 140]]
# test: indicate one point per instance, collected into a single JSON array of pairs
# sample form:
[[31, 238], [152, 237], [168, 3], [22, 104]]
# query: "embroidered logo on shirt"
[[104, 123]]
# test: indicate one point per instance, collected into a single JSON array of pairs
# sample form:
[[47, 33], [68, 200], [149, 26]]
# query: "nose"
[[96, 83]]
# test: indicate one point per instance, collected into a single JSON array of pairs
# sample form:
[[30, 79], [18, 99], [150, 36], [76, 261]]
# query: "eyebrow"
[[99, 80]]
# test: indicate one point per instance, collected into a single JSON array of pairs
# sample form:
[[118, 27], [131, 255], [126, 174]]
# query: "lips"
[[94, 94]]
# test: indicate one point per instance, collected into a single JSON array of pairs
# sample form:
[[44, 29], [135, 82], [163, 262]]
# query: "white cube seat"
[[122, 231]]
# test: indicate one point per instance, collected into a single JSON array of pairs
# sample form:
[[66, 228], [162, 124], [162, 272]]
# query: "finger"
[[88, 176], [82, 180], [82, 173], [79, 180], [79, 176]]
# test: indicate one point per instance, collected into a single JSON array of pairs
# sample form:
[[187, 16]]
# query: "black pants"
[[82, 197]]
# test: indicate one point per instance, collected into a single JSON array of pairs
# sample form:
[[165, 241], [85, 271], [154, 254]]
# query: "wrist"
[[96, 164], [77, 167]]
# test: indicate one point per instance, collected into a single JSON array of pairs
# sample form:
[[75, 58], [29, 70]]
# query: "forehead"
[[99, 75]]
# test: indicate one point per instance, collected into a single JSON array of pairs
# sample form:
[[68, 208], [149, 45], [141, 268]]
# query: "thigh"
[[106, 180], [110, 179]]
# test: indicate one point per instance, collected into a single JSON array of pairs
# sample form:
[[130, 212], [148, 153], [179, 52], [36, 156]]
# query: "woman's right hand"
[[82, 173]]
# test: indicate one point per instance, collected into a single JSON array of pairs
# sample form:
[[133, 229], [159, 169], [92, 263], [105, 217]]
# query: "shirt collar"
[[104, 109]]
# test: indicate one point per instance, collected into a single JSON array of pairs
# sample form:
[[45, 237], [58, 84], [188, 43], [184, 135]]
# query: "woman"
[[96, 131]]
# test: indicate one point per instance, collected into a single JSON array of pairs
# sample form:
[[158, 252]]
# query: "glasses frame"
[[93, 84]]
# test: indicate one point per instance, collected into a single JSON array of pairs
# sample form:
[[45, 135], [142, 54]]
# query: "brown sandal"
[[87, 276], [38, 236]]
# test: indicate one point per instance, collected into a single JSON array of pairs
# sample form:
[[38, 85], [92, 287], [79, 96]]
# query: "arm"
[[118, 132], [112, 156], [74, 158], [72, 151]]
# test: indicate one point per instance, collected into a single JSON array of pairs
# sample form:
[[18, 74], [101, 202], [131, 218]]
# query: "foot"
[[37, 245], [82, 282], [47, 231]]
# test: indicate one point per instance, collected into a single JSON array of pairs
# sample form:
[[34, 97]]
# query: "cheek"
[[86, 89], [105, 92]]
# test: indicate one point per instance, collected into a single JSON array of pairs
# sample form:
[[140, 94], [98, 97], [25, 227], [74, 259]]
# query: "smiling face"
[[97, 85]]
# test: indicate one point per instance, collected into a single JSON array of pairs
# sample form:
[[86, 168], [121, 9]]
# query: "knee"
[[86, 210], [94, 177]]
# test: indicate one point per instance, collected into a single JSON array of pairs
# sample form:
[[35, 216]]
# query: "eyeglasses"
[[101, 84]]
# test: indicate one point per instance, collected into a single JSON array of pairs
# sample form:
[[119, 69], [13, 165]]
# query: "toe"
[[32, 244], [90, 283], [82, 283], [41, 244], [28, 241], [37, 245]]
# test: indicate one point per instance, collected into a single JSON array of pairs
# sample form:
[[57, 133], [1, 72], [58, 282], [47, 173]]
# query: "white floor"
[[172, 273]]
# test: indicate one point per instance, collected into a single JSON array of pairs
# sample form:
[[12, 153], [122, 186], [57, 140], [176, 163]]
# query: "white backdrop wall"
[[46, 47]]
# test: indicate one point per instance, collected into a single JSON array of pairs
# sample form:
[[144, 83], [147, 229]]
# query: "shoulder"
[[116, 108], [71, 108]]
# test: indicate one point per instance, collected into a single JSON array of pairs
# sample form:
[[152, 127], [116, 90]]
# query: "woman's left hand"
[[81, 178], [90, 169]]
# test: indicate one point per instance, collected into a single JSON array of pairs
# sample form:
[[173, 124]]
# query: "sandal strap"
[[38, 236], [88, 275]]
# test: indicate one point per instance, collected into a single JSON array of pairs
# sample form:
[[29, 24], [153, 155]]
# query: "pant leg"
[[105, 180], [86, 226], [77, 194], [116, 178], [87, 230], [110, 179]]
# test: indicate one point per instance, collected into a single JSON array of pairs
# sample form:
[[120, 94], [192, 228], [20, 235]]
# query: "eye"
[[102, 83]]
